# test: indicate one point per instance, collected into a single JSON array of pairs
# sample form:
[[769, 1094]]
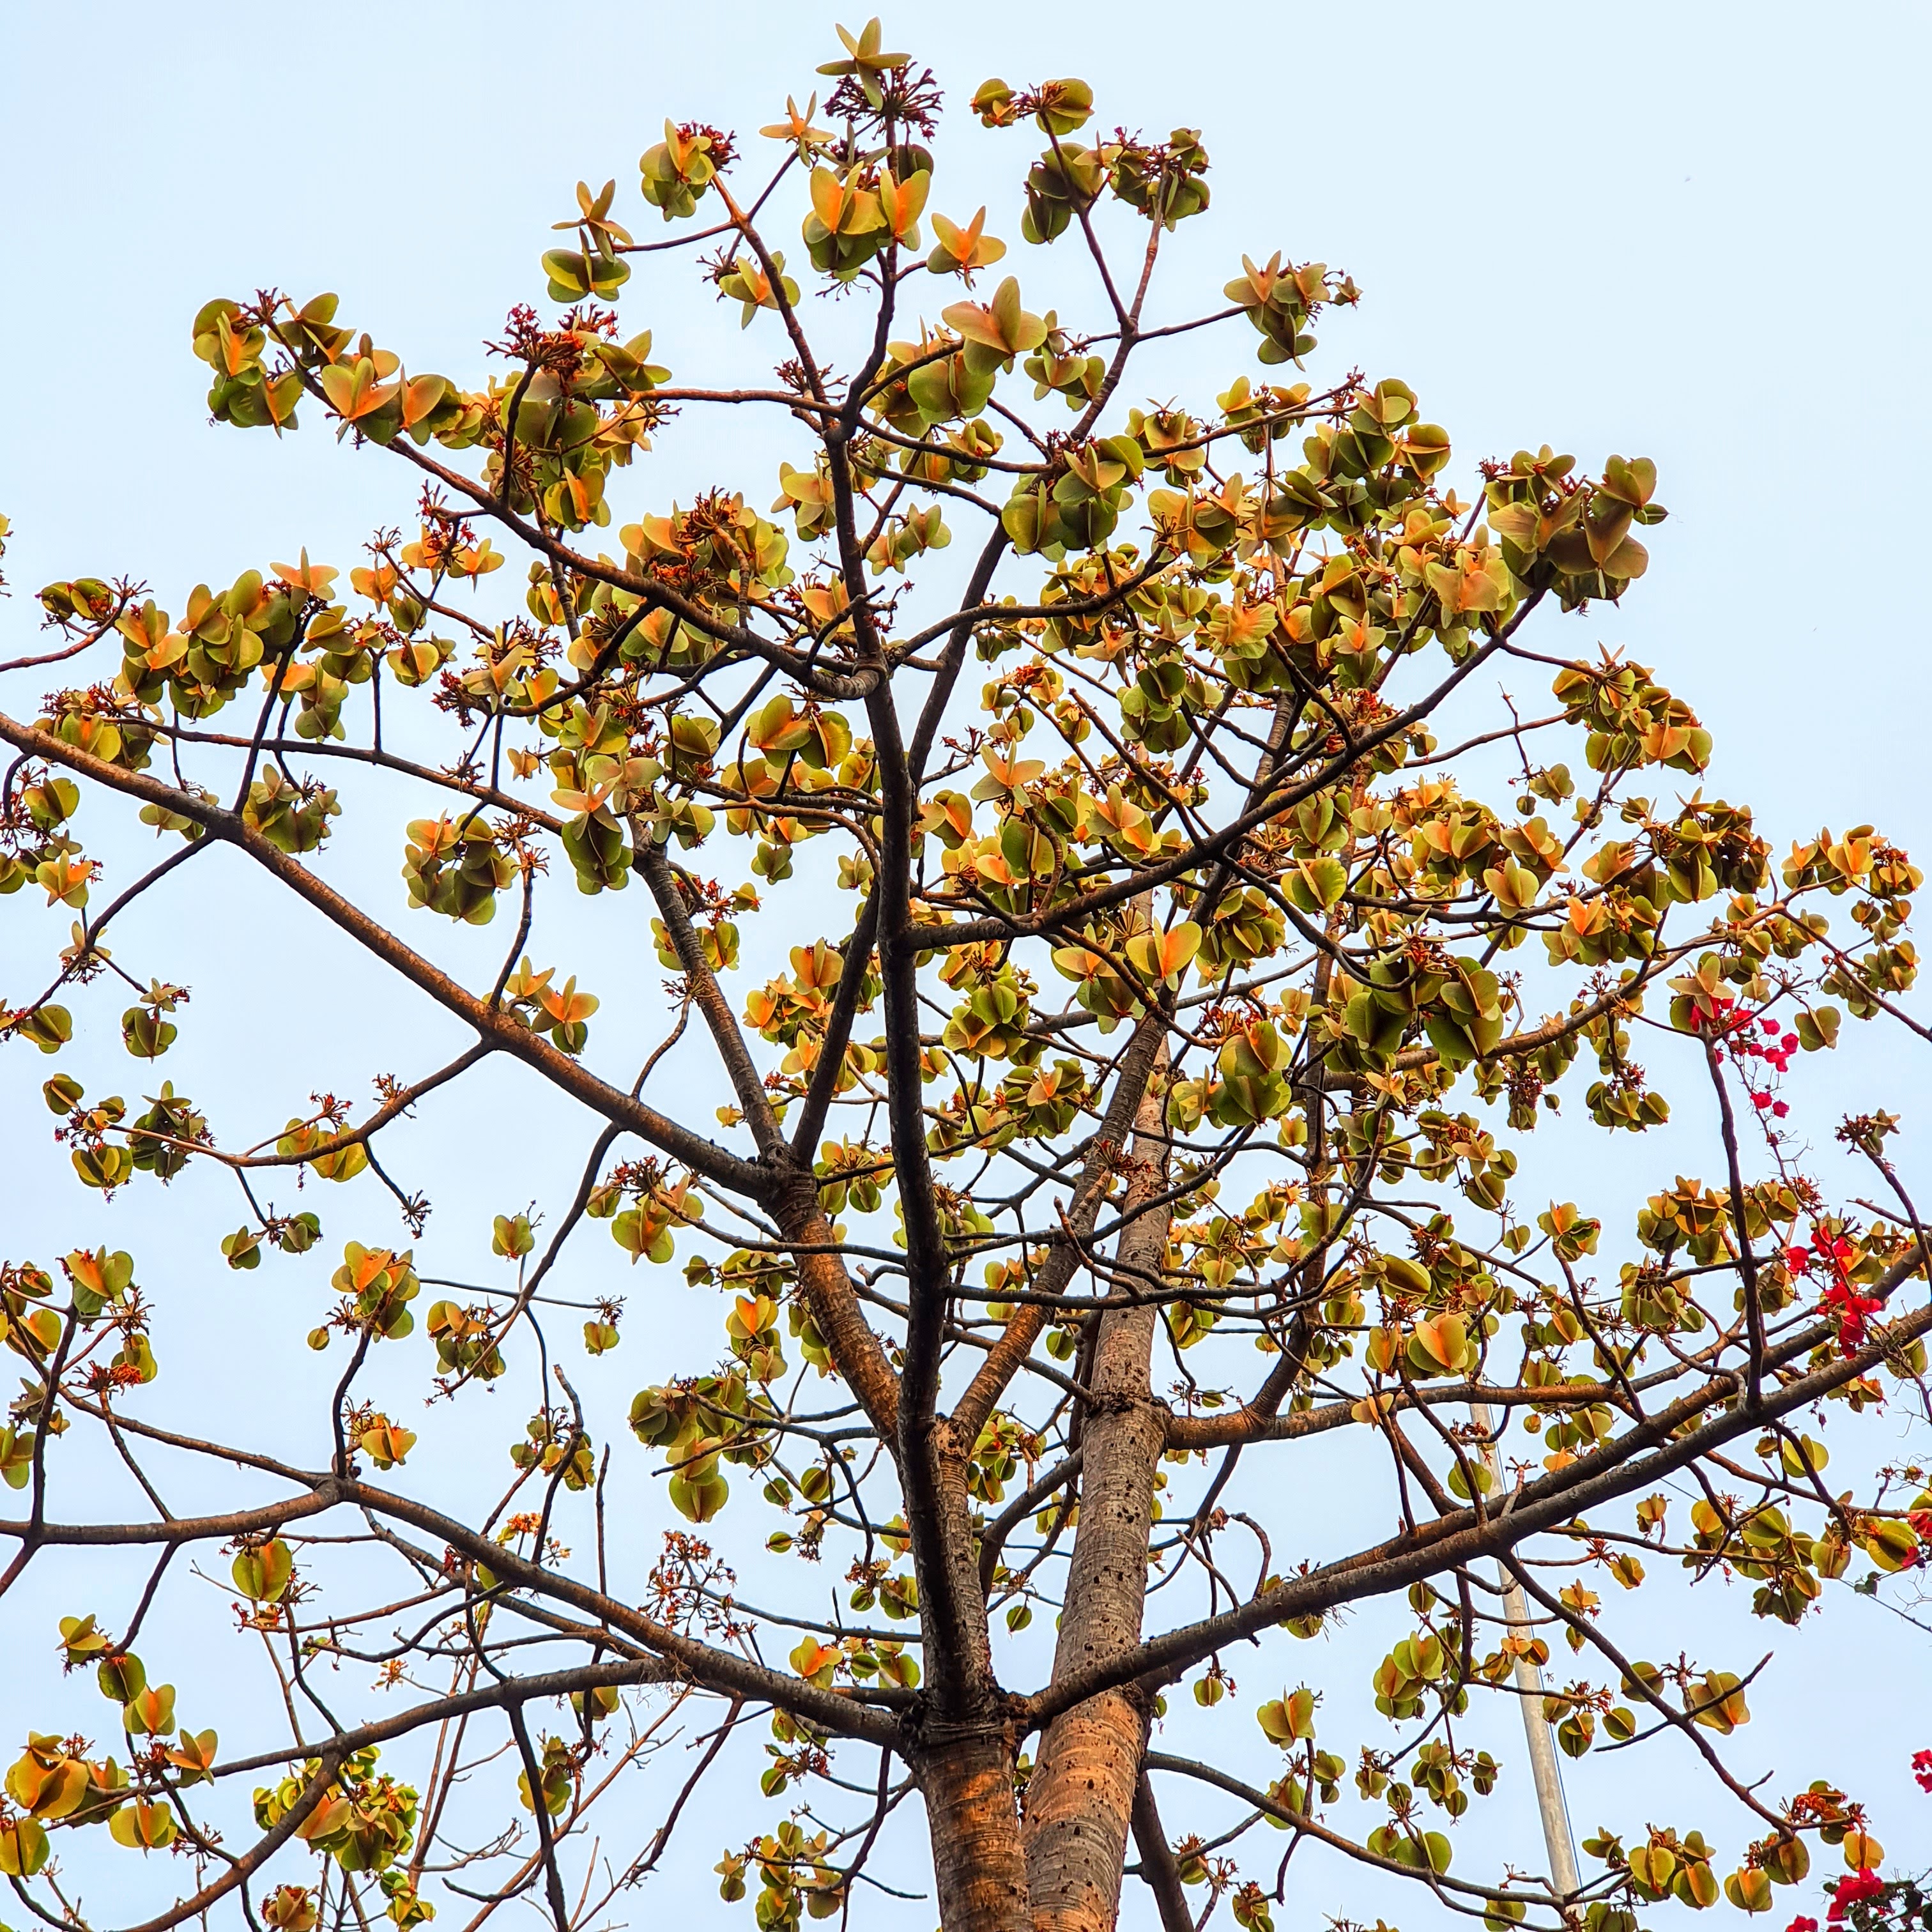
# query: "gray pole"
[[1542, 1765]]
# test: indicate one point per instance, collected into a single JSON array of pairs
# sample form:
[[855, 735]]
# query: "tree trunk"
[[977, 1863], [1080, 1801]]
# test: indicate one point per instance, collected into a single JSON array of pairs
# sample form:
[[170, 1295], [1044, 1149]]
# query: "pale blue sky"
[[1695, 233]]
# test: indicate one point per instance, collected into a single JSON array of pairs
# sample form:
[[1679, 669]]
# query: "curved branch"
[[661, 878], [324, 1496]]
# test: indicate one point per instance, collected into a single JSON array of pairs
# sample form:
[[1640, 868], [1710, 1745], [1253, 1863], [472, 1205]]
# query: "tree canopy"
[[1180, 952]]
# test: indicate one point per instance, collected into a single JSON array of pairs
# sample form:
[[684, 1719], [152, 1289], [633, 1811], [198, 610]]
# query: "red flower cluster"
[[1776, 1053], [1832, 1254], [1921, 1761], [1851, 1308], [1862, 1884]]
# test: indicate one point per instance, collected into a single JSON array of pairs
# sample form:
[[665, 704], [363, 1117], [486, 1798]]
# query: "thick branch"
[[1023, 1330], [1673, 1436]]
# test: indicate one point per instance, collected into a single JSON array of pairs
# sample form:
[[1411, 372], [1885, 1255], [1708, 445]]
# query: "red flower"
[[1802, 1924], [1715, 1013], [1851, 1308], [1760, 1101], [1769, 1025], [1921, 1761], [1779, 1108], [1861, 1885]]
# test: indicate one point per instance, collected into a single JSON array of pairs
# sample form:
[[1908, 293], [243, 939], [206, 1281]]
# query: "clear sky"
[[1691, 232]]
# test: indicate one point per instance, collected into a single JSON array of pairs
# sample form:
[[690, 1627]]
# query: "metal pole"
[[1542, 1765]]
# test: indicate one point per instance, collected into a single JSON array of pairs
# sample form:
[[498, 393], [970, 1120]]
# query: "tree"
[[1184, 948]]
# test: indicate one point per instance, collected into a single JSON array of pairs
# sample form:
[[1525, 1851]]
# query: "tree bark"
[[977, 1863], [1080, 1801]]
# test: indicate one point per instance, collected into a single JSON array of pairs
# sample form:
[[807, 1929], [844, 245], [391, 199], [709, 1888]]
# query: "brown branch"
[[1159, 1866], [1017, 1511], [837, 1033], [1740, 1220], [265, 1848], [970, 932], [502, 1030], [1678, 1719], [1002, 1361], [856, 1714], [661, 1838], [661, 876], [1672, 1436], [497, 1696], [1300, 1821], [1256, 1422], [324, 1496]]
